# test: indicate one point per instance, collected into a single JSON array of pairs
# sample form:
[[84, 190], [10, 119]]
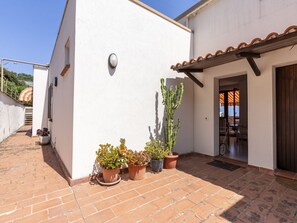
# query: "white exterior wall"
[[225, 23], [109, 105], [12, 116], [228, 23], [40, 99], [62, 125]]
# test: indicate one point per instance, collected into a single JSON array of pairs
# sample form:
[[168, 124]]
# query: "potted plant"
[[157, 151], [44, 136], [137, 162], [172, 98], [111, 159]]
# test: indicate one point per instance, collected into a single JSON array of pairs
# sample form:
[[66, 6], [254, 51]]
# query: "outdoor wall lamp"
[[113, 60], [56, 81]]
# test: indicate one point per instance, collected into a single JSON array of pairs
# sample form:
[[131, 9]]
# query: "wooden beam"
[[190, 70], [248, 54], [254, 66], [191, 76], [250, 58]]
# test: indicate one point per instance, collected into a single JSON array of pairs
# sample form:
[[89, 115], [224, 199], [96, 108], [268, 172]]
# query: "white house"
[[92, 103]]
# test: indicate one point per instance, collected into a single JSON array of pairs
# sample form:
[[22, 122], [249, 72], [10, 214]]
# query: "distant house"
[[244, 77]]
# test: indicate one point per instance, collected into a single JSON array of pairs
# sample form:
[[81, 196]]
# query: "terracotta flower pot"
[[136, 172], [110, 176], [170, 161]]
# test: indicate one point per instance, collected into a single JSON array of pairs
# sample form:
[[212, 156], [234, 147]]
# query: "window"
[[67, 58], [67, 52]]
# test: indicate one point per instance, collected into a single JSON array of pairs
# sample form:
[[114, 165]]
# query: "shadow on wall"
[[185, 140], [158, 128]]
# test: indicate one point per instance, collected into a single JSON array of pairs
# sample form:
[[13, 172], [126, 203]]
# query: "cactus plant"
[[172, 98]]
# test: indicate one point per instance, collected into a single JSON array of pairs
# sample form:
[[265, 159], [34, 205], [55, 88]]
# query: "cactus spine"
[[172, 98]]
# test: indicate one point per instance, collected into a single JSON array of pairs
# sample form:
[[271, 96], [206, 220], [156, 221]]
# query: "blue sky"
[[30, 27]]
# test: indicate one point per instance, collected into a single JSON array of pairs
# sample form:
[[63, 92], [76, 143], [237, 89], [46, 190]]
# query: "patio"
[[33, 189]]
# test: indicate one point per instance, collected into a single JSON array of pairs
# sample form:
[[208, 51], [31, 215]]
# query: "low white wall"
[[40, 99], [122, 103], [261, 107], [12, 115]]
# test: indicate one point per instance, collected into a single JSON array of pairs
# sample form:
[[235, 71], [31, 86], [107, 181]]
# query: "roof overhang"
[[273, 41]]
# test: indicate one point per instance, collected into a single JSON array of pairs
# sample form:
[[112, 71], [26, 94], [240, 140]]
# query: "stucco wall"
[[62, 121], [225, 23], [40, 99], [124, 103], [12, 116]]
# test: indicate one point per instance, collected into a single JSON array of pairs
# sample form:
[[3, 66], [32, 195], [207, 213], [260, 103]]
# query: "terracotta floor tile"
[[188, 217], [183, 205], [33, 188], [165, 215], [37, 217], [88, 210], [106, 203], [163, 202], [196, 197], [204, 210], [46, 205], [102, 216]]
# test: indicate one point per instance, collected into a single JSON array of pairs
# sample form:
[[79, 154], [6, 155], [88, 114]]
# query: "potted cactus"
[[157, 151], [111, 159], [137, 162], [172, 98]]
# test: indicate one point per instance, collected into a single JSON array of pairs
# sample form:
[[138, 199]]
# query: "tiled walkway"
[[32, 189]]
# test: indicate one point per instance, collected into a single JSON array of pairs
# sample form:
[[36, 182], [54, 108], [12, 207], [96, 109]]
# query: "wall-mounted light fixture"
[[113, 60], [56, 81]]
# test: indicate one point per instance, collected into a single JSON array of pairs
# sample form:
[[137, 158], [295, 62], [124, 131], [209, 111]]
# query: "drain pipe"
[[2, 74]]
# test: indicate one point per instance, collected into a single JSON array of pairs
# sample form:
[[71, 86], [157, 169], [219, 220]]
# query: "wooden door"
[[286, 115]]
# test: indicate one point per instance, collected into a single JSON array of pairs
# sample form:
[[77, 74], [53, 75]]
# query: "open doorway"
[[233, 118]]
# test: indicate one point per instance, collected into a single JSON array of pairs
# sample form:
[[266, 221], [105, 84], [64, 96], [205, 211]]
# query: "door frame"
[[216, 113]]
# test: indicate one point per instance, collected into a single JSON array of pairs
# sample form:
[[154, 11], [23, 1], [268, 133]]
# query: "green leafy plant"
[[110, 157], [156, 149], [172, 98], [137, 158]]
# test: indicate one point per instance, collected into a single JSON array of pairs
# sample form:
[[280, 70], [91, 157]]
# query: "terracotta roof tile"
[[271, 36], [192, 61], [242, 45], [209, 55]]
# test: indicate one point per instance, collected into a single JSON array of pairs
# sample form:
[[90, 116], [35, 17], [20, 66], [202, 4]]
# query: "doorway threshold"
[[286, 174], [231, 161]]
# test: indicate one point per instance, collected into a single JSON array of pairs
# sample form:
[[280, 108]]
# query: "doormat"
[[225, 166]]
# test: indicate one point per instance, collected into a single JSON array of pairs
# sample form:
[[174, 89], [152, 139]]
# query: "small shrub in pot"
[[157, 152], [111, 159], [137, 162], [44, 136]]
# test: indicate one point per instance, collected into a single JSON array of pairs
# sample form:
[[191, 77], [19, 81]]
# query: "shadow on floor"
[[259, 197], [50, 158]]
